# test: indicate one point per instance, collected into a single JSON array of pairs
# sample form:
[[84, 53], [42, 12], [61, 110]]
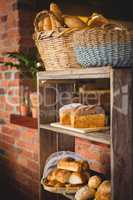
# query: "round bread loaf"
[[85, 193], [94, 182]]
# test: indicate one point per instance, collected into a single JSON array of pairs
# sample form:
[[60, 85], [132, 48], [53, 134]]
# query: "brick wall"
[[18, 145], [97, 154]]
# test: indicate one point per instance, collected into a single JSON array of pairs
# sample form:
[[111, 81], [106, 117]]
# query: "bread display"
[[85, 193], [67, 21], [65, 113], [69, 175], [72, 165], [94, 182], [88, 117]]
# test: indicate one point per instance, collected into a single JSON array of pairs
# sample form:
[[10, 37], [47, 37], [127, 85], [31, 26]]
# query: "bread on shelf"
[[88, 117], [78, 178], [65, 113], [85, 193], [94, 182], [72, 165]]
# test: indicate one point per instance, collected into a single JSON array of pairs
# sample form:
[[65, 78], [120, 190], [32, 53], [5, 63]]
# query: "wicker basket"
[[55, 48], [103, 46]]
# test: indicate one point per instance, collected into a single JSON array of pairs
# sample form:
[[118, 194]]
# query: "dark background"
[[115, 9]]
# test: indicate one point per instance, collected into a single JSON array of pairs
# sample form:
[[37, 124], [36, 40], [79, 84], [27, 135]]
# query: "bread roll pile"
[[82, 116], [54, 19], [70, 174], [96, 189]]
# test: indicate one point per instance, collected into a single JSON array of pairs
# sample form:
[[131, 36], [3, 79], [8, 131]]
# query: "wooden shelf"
[[92, 73], [25, 121], [101, 137]]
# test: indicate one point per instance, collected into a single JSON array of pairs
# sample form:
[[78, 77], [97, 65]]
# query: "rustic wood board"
[[100, 137], [79, 130]]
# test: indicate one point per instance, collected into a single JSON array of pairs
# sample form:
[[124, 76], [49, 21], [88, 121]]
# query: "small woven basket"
[[55, 47], [104, 46]]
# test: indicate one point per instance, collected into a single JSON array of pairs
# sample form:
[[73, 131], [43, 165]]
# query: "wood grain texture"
[[94, 72], [122, 134]]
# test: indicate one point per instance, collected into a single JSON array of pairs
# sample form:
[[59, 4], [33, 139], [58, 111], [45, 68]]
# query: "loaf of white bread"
[[82, 116]]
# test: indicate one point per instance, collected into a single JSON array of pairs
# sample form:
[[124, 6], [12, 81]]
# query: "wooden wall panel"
[[122, 134]]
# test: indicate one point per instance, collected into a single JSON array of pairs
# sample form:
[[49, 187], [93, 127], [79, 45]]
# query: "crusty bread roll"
[[94, 182], [97, 20], [85, 193], [63, 176], [54, 8], [88, 117], [54, 22], [105, 188], [71, 165], [65, 113], [104, 191], [78, 178], [47, 26], [73, 22]]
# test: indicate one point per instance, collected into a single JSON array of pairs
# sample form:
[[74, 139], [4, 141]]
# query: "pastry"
[[94, 182], [65, 113], [85, 193], [88, 117]]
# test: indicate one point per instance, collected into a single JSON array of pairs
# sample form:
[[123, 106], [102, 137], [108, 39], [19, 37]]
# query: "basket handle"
[[40, 14]]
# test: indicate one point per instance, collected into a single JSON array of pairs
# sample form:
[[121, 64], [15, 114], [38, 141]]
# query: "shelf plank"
[[92, 73], [25, 121], [101, 137]]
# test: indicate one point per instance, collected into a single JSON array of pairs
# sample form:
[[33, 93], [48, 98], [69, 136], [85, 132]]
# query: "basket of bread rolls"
[[103, 43], [65, 173], [69, 174], [54, 38]]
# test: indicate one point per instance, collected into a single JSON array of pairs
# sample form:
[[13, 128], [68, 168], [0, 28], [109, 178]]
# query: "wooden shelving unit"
[[120, 136]]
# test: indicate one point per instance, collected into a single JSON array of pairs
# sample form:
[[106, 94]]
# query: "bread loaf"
[[54, 8], [97, 20], [65, 113], [71, 165], [54, 22], [78, 178], [85, 193], [94, 182], [88, 117], [104, 191], [74, 22], [59, 175], [47, 23]]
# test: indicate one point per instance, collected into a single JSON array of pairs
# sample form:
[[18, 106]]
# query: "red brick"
[[2, 91], [6, 138], [33, 165]]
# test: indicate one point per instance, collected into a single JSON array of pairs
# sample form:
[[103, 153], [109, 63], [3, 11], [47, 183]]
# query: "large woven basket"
[[103, 46], [55, 48]]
